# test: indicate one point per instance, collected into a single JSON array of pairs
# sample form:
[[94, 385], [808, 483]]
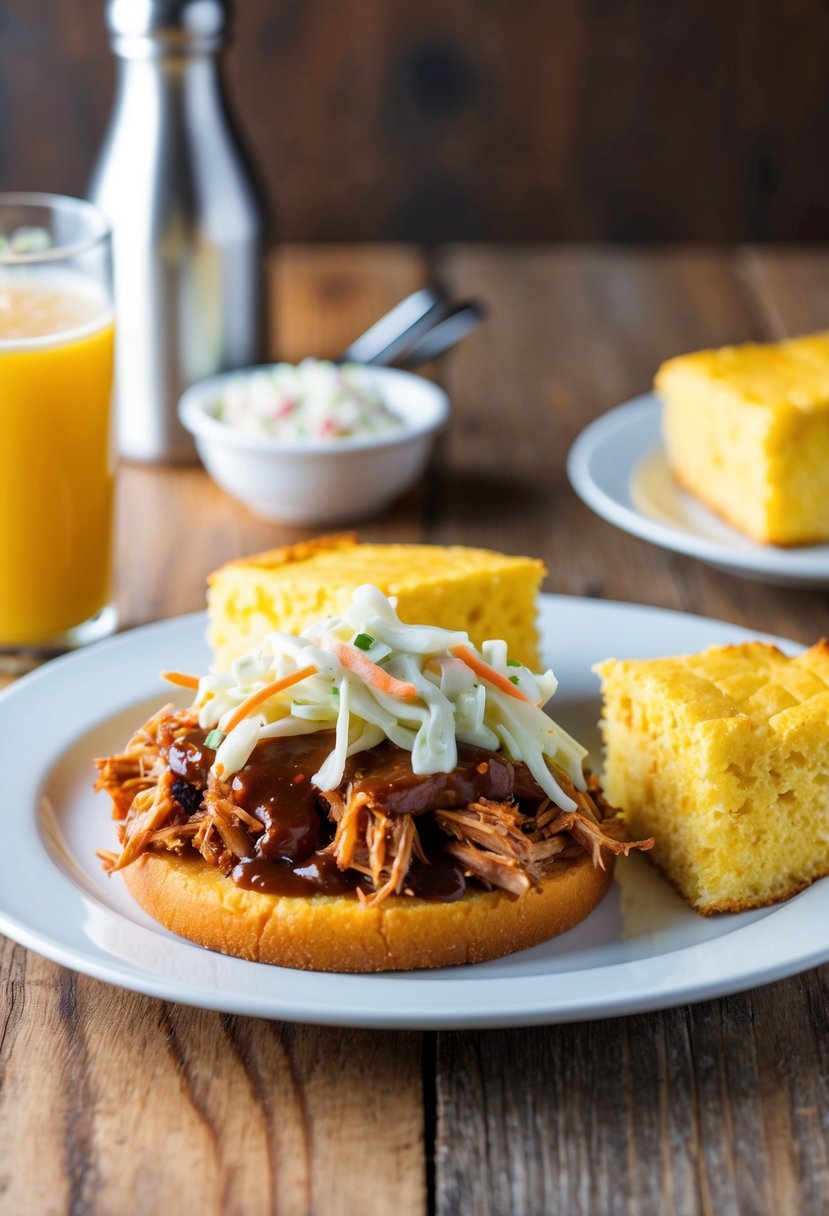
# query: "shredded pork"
[[509, 845]]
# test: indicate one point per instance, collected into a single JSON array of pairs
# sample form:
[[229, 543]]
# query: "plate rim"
[[462, 1002], [808, 563]]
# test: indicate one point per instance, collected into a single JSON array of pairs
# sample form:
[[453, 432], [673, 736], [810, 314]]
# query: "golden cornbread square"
[[746, 430], [488, 594], [723, 757]]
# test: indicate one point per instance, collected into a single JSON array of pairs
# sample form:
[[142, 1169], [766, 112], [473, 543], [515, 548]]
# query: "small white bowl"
[[315, 482]]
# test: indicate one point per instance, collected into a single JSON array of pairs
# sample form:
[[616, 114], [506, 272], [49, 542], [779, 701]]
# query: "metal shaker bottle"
[[188, 226]]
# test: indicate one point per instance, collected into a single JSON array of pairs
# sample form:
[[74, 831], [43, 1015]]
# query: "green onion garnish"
[[335, 692], [214, 738], [513, 679], [514, 663], [364, 641]]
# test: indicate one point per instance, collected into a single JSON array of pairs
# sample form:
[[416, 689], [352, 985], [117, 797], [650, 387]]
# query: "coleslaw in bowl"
[[311, 400], [311, 479]]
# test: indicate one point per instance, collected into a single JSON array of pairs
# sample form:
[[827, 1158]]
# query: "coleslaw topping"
[[369, 676]]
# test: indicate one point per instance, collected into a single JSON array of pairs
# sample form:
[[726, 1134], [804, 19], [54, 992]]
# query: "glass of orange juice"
[[56, 448]]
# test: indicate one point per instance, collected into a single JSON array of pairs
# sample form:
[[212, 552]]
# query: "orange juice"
[[56, 466]]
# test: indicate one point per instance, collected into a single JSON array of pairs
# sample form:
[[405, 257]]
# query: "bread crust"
[[721, 906], [286, 555], [763, 538], [192, 898]]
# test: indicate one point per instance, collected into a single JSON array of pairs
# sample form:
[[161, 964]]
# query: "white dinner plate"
[[641, 949], [619, 468]]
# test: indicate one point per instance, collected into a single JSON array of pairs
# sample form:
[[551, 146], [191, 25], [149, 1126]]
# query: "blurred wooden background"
[[430, 120]]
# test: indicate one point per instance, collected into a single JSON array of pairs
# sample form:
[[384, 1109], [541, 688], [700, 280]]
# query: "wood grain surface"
[[115, 1103], [478, 120]]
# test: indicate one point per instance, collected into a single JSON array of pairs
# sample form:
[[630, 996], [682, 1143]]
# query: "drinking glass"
[[56, 445]]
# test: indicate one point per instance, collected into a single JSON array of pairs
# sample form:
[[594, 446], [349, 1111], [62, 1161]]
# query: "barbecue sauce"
[[442, 880], [317, 874], [275, 787], [190, 759], [385, 775]]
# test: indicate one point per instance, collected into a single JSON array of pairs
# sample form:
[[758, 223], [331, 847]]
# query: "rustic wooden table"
[[116, 1103]]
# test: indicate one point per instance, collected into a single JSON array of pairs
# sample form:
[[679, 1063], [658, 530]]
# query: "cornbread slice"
[[488, 594], [724, 758], [746, 430]]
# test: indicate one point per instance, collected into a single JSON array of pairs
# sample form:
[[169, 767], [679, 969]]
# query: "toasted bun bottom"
[[338, 933]]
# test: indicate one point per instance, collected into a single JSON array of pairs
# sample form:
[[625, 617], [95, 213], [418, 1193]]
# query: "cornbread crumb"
[[488, 594], [724, 758], [747, 431]]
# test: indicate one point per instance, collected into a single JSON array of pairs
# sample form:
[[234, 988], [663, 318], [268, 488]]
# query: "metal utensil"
[[387, 339], [448, 331]]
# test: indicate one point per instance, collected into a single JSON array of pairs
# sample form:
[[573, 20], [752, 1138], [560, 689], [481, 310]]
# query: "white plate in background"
[[618, 467]]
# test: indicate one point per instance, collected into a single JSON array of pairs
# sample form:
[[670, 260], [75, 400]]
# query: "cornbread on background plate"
[[723, 757], [746, 430], [488, 594]]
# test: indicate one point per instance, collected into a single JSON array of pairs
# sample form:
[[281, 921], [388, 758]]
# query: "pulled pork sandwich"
[[370, 796]]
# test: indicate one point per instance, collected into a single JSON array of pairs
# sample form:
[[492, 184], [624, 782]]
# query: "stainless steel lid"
[[152, 27]]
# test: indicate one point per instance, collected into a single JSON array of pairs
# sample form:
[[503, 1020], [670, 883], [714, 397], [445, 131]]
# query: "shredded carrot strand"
[[264, 694], [371, 674], [483, 669], [180, 678]]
